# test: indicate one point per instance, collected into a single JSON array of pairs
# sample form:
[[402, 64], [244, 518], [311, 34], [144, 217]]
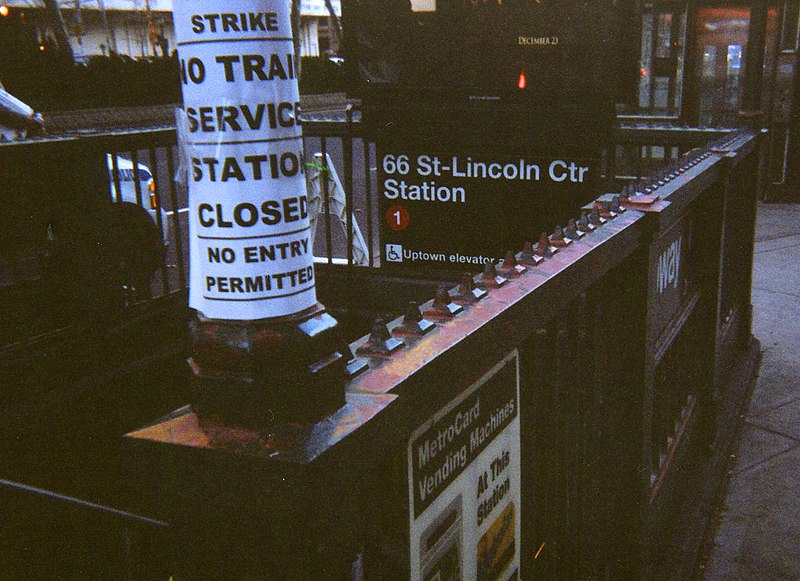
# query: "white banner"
[[250, 249], [464, 484]]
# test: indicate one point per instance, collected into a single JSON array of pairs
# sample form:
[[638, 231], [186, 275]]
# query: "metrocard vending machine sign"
[[464, 484], [250, 248], [463, 210]]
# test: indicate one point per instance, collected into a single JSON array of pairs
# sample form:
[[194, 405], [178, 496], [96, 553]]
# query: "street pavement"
[[758, 531]]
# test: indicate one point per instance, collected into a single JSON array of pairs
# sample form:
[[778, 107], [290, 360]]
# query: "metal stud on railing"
[[414, 324], [353, 366], [583, 223], [380, 341], [490, 278], [627, 192], [558, 239], [572, 231], [544, 248], [467, 292], [595, 218], [510, 267], [443, 306], [528, 256], [604, 210]]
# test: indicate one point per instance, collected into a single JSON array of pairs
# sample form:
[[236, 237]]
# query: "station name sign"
[[456, 167], [455, 209], [250, 238]]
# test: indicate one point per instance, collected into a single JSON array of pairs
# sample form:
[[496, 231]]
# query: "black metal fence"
[[621, 391], [641, 150], [638, 152], [634, 353], [46, 535]]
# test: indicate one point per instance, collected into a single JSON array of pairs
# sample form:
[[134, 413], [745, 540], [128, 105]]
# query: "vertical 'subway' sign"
[[250, 248]]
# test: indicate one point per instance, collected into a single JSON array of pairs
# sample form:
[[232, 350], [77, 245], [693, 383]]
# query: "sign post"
[[260, 333]]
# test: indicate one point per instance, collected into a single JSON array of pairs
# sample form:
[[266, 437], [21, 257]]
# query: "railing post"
[[263, 348], [246, 489]]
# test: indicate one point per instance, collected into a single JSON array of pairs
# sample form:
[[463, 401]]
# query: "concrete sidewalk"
[[758, 533]]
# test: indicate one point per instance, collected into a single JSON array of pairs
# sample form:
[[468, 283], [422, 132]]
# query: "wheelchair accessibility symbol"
[[394, 252]]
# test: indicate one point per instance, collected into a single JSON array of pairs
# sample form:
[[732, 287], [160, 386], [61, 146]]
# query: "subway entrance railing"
[[636, 152], [561, 415], [629, 344]]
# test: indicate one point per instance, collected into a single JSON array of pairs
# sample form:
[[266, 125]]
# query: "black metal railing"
[[627, 346], [46, 535], [637, 153], [642, 150], [351, 156], [344, 152], [616, 387], [628, 357]]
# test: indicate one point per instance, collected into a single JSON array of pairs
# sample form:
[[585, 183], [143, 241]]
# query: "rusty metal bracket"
[[490, 278], [443, 306], [467, 292], [380, 342], [510, 267], [414, 324], [559, 239], [529, 256]]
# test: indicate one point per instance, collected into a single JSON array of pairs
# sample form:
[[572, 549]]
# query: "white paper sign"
[[464, 484], [250, 247]]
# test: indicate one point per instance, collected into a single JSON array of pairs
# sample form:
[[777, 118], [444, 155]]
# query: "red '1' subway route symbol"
[[397, 217]]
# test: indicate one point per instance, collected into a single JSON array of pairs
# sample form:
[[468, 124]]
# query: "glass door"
[[721, 39], [661, 61]]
